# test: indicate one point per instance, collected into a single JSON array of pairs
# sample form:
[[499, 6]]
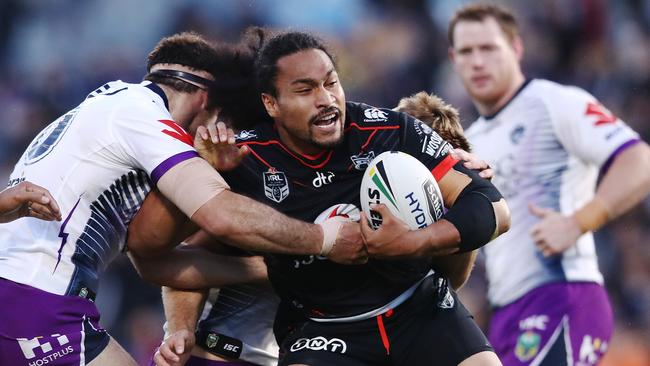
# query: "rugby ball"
[[405, 186]]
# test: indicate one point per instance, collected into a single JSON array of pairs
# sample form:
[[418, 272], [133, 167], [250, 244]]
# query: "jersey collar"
[[490, 116], [158, 90]]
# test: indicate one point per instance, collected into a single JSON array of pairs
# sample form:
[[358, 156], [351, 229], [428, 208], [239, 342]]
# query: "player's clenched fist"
[[175, 350], [28, 199], [342, 242]]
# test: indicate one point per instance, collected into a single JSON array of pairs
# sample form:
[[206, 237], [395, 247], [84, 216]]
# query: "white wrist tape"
[[331, 229]]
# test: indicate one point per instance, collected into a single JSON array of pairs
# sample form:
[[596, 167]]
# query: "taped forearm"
[[190, 184]]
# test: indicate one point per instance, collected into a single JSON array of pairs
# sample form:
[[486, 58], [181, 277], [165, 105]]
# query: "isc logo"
[[231, 347]]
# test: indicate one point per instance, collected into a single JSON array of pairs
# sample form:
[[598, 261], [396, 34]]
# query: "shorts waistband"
[[219, 344], [373, 313]]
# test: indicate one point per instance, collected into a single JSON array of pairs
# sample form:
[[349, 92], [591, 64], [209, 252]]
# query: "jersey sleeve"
[[422, 142], [586, 128], [152, 140]]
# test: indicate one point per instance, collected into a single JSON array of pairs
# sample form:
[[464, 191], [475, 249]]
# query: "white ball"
[[405, 186]]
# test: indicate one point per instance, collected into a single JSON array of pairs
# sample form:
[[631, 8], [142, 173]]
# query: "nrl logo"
[[276, 186], [212, 340], [361, 161]]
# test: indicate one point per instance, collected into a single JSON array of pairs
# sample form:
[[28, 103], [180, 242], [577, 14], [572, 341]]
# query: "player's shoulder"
[[365, 115], [556, 95]]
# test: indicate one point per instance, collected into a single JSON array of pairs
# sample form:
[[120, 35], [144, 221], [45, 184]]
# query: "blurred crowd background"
[[54, 52]]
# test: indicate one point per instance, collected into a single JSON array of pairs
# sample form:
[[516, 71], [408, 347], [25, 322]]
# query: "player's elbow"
[[501, 217]]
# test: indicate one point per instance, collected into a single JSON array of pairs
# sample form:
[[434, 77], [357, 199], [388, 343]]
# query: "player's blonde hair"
[[440, 116], [478, 13]]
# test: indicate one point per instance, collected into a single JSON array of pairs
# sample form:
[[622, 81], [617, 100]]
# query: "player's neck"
[[492, 107]]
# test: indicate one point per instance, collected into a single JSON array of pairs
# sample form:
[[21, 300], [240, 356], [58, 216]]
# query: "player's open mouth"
[[327, 121]]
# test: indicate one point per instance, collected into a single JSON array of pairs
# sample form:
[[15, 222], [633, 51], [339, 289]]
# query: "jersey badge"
[[516, 134], [374, 115], [177, 132], [362, 160], [276, 186], [527, 345]]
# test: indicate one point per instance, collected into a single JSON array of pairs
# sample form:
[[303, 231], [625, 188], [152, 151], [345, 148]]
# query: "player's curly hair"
[[188, 49], [234, 90], [440, 116]]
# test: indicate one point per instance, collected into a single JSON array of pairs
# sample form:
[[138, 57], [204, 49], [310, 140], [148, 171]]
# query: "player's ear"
[[518, 46], [271, 104]]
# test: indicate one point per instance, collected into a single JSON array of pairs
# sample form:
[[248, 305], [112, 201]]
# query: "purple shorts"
[[555, 324], [40, 328]]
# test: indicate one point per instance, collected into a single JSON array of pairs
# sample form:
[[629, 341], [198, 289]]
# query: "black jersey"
[[306, 187]]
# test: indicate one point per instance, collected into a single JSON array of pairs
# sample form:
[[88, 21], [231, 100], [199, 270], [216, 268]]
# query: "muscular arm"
[[477, 215], [200, 193], [624, 185], [456, 267], [627, 181]]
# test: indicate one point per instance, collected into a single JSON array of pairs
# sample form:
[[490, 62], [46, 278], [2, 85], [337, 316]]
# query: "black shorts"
[[431, 328]]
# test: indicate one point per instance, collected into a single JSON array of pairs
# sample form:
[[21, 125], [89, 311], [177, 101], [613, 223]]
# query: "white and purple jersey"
[[547, 146], [99, 161]]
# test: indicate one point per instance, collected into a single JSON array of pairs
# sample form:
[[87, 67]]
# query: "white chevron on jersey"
[[546, 147]]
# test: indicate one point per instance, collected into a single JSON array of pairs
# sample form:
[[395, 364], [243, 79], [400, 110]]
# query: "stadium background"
[[53, 52]]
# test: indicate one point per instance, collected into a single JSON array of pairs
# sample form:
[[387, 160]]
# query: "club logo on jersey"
[[177, 132], [374, 115], [603, 116], [362, 160], [319, 343], [43, 144], [527, 345], [517, 134], [31, 347], [322, 179], [276, 186], [245, 135]]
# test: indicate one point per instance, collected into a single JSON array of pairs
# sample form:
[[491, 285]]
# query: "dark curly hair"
[[188, 49]]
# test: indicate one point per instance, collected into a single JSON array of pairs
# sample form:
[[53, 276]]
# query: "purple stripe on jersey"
[[63, 235], [619, 150], [163, 167]]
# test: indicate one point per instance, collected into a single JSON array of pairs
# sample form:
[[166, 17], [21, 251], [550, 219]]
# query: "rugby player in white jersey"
[[99, 161], [547, 143]]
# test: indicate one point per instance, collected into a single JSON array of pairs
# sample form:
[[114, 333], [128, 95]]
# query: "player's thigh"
[[485, 358], [113, 355]]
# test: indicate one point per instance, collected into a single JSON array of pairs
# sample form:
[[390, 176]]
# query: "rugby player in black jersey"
[[308, 162]]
